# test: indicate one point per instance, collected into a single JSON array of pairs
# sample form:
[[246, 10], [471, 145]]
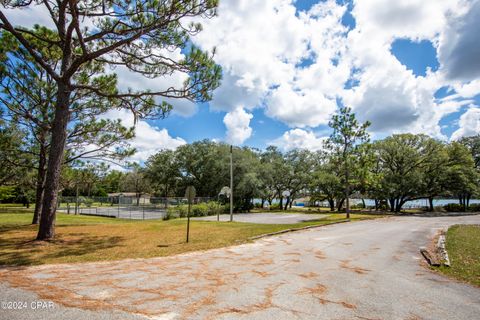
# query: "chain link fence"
[[125, 207]]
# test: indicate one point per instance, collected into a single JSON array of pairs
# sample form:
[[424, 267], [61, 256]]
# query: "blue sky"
[[417, 53], [406, 66]]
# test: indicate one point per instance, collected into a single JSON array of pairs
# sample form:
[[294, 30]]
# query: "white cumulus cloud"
[[469, 124], [238, 126], [276, 58], [295, 65], [459, 48], [392, 97], [299, 139], [148, 139]]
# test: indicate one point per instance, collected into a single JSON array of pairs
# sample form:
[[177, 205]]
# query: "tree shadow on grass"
[[10, 227], [173, 244], [85, 245], [11, 256], [15, 251], [316, 220]]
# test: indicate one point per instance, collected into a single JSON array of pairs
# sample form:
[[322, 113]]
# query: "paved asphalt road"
[[360, 270], [267, 218]]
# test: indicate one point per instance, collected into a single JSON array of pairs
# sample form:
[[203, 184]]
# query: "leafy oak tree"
[[325, 184], [473, 144], [136, 181], [277, 167], [138, 36], [300, 165], [203, 164], [267, 175], [408, 168], [163, 171], [463, 178]]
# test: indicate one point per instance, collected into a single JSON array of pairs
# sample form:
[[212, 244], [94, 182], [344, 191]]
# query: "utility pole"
[[231, 183]]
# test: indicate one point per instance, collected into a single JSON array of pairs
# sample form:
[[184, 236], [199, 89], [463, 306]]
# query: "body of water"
[[409, 204]]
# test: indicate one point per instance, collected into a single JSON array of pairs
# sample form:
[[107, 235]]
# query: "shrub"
[[453, 207], [474, 207], [177, 212], [383, 205], [215, 208], [169, 214], [182, 211], [206, 209], [358, 206], [80, 200], [275, 206], [88, 202], [439, 209], [243, 206], [198, 210]]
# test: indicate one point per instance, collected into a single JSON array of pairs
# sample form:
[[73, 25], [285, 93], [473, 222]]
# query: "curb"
[[437, 255], [442, 250], [296, 229]]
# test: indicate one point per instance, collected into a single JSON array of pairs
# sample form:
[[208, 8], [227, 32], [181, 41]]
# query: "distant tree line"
[[391, 171]]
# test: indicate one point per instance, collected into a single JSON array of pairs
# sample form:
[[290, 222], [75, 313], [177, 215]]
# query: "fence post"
[[76, 200], [118, 207]]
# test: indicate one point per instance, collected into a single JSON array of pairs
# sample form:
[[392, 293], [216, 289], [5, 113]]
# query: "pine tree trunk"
[[46, 230], [347, 190], [42, 161]]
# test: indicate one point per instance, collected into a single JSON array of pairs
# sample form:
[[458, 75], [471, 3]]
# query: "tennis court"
[[123, 207]]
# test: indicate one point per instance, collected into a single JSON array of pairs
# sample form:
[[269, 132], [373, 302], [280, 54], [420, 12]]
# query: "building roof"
[[128, 194]]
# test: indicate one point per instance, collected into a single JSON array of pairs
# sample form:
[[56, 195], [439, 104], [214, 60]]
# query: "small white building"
[[128, 198]]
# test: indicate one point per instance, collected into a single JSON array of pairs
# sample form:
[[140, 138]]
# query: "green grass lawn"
[[87, 238], [463, 247], [12, 205]]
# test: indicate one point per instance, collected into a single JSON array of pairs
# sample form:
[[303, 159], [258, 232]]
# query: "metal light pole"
[[231, 183]]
